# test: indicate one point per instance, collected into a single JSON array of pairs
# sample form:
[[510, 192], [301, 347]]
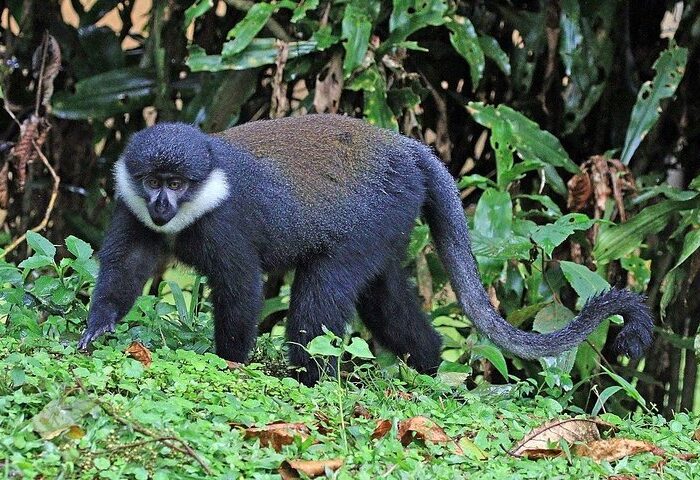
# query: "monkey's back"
[[321, 155]]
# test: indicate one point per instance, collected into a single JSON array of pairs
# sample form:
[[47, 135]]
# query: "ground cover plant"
[[571, 131]]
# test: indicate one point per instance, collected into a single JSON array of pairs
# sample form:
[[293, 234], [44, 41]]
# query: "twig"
[[169, 441], [49, 209]]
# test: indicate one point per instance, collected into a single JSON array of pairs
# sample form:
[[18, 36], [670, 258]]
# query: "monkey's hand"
[[93, 332], [97, 325]]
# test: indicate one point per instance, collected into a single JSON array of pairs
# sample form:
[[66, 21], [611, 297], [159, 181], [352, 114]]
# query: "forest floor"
[[179, 414]]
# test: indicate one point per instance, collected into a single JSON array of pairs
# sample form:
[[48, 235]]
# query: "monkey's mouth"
[[160, 218]]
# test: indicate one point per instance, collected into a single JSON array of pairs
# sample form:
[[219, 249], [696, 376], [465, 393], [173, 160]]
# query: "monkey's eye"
[[152, 182], [175, 184]]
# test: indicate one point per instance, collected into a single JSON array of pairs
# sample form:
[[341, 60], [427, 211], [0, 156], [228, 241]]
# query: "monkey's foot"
[[94, 332]]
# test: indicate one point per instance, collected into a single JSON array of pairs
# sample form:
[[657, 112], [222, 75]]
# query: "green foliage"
[[669, 67], [70, 415]]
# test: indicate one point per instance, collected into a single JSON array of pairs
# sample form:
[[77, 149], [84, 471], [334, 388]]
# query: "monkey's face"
[[164, 192], [168, 178]]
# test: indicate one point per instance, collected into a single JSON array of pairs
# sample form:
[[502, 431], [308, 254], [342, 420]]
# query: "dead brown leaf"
[[570, 430], [382, 428], [421, 428], [613, 449], [75, 432], [398, 394], [234, 365], [360, 411], [276, 435], [580, 191], [311, 468], [279, 103], [139, 352], [696, 435], [686, 457], [329, 86], [622, 477]]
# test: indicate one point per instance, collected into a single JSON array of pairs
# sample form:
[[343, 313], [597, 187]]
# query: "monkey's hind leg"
[[324, 293], [390, 308]]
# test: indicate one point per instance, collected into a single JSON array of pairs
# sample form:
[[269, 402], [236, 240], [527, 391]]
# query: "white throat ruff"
[[210, 195]]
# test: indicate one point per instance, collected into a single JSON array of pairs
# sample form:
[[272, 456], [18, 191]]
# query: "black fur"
[[346, 249]]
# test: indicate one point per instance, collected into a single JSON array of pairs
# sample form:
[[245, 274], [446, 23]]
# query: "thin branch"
[[49, 209], [172, 442]]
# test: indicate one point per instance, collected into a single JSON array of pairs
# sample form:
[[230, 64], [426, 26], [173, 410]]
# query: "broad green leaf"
[[671, 286], [260, 51], [196, 10], [79, 248], [493, 355], [420, 237], [552, 210], [62, 296], [670, 67], [691, 243], [302, 8], [356, 30], [246, 30], [408, 16], [582, 280], [587, 55], [373, 86], [521, 315], [493, 216], [620, 240], [358, 348], [552, 317], [105, 95], [323, 347], [41, 244], [626, 386], [603, 397], [274, 305], [36, 261], [527, 138], [475, 181], [10, 274], [464, 39], [57, 416], [552, 235], [523, 58], [500, 249], [179, 298], [493, 50]]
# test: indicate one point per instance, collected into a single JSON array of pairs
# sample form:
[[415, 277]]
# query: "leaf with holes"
[[670, 67]]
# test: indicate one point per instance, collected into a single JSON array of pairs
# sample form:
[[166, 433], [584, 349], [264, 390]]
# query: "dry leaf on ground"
[[613, 449], [312, 468], [138, 351], [537, 443], [276, 435], [421, 428], [360, 410], [382, 428]]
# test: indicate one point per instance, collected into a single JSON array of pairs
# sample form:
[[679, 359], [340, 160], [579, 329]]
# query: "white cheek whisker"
[[210, 195]]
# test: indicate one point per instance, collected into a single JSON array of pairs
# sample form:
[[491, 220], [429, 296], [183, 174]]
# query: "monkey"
[[331, 197]]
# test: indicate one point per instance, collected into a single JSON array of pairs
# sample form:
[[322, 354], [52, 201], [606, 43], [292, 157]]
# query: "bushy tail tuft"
[[445, 216]]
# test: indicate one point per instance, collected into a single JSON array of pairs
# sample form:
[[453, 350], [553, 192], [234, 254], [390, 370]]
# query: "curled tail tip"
[[637, 333]]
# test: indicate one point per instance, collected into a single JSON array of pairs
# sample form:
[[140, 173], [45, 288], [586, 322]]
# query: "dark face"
[[164, 194]]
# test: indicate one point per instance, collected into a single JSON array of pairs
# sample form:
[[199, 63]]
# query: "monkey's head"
[[166, 176]]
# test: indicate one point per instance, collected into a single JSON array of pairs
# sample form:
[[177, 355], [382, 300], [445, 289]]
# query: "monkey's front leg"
[[237, 298], [128, 257]]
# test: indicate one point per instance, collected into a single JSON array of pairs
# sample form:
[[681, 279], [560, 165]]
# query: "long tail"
[[445, 216]]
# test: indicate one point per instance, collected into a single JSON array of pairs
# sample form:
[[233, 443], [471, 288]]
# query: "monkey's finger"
[[92, 334]]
